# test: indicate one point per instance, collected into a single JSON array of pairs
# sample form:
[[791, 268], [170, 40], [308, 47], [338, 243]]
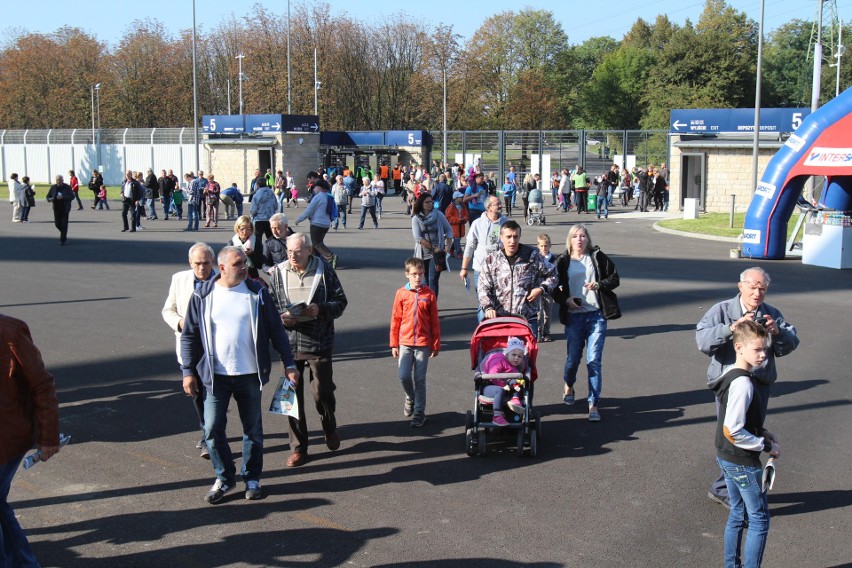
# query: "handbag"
[[440, 258]]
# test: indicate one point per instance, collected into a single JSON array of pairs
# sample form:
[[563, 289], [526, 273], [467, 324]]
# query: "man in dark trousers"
[[131, 194], [62, 198], [309, 297]]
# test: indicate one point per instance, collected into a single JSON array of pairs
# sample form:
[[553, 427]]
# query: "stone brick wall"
[[729, 171], [299, 153]]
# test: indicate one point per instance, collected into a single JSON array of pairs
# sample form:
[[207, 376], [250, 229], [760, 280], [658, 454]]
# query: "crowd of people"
[[271, 286]]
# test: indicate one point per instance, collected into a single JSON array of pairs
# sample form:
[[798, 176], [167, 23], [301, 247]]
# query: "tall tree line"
[[517, 71]]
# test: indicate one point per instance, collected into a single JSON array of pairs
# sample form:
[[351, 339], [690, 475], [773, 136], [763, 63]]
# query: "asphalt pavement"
[[628, 491]]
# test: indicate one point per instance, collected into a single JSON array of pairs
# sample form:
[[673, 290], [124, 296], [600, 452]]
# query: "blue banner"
[[715, 120]]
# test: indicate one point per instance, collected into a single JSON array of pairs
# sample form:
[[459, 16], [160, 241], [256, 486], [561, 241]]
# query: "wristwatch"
[[767, 445]]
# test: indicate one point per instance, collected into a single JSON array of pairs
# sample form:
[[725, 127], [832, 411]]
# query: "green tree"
[[572, 70], [613, 97]]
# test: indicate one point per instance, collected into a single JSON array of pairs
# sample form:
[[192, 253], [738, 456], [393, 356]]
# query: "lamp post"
[[444, 145], [289, 100], [97, 90], [92, 88], [228, 82], [240, 57], [195, 94], [755, 151], [317, 85]]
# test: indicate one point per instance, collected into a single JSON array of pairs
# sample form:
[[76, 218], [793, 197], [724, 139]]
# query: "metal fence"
[[547, 151], [42, 154]]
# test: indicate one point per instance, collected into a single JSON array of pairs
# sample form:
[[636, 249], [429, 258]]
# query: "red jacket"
[[414, 321], [30, 411]]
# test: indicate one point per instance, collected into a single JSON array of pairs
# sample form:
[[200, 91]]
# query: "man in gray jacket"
[[714, 338]]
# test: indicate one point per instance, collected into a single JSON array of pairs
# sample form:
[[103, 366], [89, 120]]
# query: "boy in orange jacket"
[[415, 337]]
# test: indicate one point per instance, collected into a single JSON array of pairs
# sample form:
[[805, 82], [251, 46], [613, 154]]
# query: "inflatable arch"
[[822, 146]]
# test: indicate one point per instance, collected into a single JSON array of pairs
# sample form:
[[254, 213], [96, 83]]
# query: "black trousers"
[[60, 220], [128, 208]]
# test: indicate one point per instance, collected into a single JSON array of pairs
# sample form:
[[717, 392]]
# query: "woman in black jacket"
[[587, 278]]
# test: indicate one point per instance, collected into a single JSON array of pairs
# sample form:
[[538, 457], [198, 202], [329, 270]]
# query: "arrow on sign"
[[315, 127], [677, 124], [277, 126]]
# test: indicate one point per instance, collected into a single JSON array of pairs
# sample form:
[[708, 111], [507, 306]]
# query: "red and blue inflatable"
[[821, 146]]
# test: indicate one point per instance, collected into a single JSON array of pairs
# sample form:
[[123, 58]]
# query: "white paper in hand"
[[284, 400], [768, 480]]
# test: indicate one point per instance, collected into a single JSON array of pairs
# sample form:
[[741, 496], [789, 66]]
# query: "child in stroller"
[[510, 360], [503, 352]]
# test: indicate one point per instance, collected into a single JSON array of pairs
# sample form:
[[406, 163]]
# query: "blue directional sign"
[[223, 124], [263, 123], [715, 120], [404, 138], [299, 123]]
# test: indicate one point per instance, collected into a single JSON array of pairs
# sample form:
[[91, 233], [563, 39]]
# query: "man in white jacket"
[[201, 262]]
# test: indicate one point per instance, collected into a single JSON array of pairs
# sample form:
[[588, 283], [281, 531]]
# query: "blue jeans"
[[480, 313], [585, 330], [246, 392], [14, 548], [749, 508], [192, 215], [153, 212], [341, 215], [364, 211], [413, 362], [601, 206]]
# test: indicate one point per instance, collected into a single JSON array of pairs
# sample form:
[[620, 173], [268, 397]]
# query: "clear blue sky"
[[108, 18]]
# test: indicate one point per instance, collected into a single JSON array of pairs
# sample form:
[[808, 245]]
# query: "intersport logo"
[[834, 157]]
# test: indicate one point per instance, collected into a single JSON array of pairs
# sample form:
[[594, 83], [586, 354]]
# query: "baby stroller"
[[491, 336], [535, 214]]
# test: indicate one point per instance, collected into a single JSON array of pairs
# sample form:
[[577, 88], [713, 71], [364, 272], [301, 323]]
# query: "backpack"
[[331, 208]]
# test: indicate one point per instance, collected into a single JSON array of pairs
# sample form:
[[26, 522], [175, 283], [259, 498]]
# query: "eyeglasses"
[[755, 286]]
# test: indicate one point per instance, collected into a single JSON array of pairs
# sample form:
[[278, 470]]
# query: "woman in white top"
[[587, 278]]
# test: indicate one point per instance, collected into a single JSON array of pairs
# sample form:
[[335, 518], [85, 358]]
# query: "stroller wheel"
[[470, 444], [533, 443], [521, 443], [530, 221], [543, 221], [482, 443]]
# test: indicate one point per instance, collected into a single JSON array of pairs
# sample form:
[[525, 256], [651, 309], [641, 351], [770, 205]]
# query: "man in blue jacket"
[[225, 342]]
